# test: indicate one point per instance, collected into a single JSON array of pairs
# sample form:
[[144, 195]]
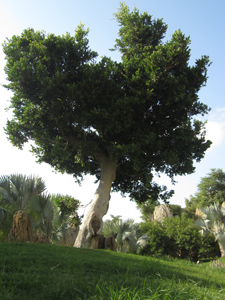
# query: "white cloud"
[[218, 115], [215, 133], [215, 127]]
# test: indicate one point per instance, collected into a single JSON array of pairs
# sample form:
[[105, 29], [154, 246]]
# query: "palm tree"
[[53, 214], [49, 214], [16, 190], [126, 233], [15, 193], [109, 227], [214, 222]]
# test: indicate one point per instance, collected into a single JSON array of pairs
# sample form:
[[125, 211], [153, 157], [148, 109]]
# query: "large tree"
[[211, 190], [121, 121]]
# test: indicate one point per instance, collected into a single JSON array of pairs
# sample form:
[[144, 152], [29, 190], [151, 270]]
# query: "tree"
[[211, 189], [176, 209], [214, 222], [67, 207], [121, 121], [147, 209]]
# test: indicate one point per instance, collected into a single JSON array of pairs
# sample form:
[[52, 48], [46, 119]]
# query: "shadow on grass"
[[58, 271]]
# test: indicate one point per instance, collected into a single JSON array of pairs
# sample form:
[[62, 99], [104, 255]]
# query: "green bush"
[[6, 221], [185, 235], [178, 237], [160, 243], [209, 247]]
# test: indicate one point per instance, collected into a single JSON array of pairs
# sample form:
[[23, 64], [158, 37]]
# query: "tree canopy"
[[139, 112], [211, 190]]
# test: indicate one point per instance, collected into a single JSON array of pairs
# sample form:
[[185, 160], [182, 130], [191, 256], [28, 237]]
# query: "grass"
[[34, 271]]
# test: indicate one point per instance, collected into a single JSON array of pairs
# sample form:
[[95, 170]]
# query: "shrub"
[[160, 243], [178, 237], [6, 220]]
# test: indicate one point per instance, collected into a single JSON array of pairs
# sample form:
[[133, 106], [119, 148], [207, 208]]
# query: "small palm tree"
[[43, 214], [127, 234], [16, 190], [109, 227], [214, 222], [52, 214]]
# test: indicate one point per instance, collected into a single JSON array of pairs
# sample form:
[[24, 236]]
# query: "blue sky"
[[202, 20]]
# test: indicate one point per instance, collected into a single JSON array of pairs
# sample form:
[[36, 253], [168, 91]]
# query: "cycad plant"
[[127, 234], [214, 222]]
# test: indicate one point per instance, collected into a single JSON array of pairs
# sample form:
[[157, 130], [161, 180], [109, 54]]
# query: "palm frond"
[[214, 221], [6, 196], [35, 184]]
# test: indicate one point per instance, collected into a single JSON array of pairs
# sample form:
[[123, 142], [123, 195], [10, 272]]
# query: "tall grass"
[[32, 271]]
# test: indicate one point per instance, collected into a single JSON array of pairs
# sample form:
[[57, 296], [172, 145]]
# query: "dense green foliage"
[[147, 209], [139, 112], [6, 219], [179, 237], [176, 210], [211, 189], [190, 209], [67, 207], [29, 271]]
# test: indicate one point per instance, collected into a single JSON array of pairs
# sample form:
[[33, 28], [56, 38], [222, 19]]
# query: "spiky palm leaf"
[[46, 217], [35, 185], [16, 190], [127, 234], [214, 221], [7, 200], [42, 212]]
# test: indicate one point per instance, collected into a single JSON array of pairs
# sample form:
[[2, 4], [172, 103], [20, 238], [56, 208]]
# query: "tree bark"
[[93, 223], [222, 248]]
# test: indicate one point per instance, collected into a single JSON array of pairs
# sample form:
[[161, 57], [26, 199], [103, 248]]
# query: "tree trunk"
[[222, 248], [93, 223]]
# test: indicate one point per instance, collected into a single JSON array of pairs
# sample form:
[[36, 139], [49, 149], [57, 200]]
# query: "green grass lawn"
[[33, 271]]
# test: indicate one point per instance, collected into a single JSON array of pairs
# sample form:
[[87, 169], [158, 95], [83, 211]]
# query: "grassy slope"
[[31, 271]]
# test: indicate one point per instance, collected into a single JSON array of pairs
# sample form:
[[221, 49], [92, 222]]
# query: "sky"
[[202, 20]]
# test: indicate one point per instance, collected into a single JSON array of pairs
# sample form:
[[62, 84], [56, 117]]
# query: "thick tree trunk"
[[93, 223]]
